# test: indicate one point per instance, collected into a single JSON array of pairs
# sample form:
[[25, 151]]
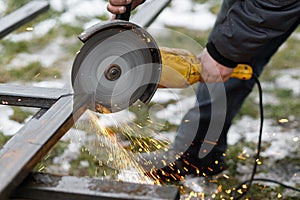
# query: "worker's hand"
[[118, 6], [212, 71]]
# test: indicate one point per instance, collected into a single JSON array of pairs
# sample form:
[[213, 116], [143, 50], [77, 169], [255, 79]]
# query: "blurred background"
[[41, 53]]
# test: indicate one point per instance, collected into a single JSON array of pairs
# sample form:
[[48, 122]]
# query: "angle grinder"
[[118, 64], [121, 63]]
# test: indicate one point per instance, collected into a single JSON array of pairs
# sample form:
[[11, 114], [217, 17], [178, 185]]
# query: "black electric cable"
[[248, 183], [276, 182]]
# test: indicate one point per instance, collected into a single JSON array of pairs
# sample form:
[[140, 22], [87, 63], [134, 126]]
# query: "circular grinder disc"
[[118, 64]]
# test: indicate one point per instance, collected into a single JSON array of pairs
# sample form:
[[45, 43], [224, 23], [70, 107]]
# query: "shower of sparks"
[[241, 156], [123, 145], [117, 156], [4, 102], [122, 155], [37, 75], [226, 176], [193, 195], [29, 28], [259, 162], [283, 121]]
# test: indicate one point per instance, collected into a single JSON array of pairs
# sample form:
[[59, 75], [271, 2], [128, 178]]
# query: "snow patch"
[[193, 184], [3, 7], [70, 154], [290, 79], [296, 35], [39, 30], [166, 95], [133, 176], [49, 84], [282, 143], [79, 9], [188, 15], [47, 56], [175, 112], [8, 126], [116, 119], [74, 136]]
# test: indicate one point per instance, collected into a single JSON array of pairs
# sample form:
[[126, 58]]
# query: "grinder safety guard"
[[118, 64]]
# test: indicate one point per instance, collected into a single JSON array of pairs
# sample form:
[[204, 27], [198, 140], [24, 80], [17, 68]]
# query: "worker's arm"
[[245, 30]]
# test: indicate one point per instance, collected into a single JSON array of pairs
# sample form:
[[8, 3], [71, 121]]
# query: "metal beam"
[[21, 16], [34, 140], [29, 96], [149, 12], [39, 186]]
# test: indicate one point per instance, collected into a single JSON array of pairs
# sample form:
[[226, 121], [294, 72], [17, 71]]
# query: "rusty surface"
[[34, 140], [45, 186]]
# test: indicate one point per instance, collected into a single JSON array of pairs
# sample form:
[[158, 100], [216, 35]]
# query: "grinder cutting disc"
[[118, 64]]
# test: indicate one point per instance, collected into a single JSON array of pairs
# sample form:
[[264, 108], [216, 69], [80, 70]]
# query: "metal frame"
[[35, 139], [22, 16], [59, 111]]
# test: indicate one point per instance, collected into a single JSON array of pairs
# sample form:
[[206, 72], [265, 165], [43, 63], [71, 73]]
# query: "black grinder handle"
[[126, 15]]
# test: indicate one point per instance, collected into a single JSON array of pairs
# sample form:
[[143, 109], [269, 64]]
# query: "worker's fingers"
[[225, 72], [212, 71], [119, 2], [116, 9], [118, 6]]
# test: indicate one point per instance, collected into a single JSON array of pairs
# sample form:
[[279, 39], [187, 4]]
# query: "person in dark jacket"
[[248, 32]]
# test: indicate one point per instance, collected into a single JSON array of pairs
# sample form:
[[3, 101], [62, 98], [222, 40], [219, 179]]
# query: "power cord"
[[244, 190]]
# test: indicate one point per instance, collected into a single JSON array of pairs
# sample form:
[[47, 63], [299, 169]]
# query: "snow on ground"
[[2, 8], [47, 57], [289, 80], [282, 143], [7, 126], [39, 30], [49, 84], [115, 119], [165, 95], [296, 35], [175, 112], [76, 9], [186, 14]]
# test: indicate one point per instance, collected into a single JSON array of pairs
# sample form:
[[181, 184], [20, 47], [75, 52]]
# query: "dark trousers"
[[203, 132]]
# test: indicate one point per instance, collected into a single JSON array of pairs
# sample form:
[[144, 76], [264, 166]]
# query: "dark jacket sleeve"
[[245, 28]]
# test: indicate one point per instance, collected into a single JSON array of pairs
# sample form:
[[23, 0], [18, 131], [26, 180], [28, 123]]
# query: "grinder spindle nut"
[[113, 72]]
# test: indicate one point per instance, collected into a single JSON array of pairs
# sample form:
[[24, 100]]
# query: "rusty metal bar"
[[32, 142], [39, 186], [149, 12], [21, 16], [29, 96]]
